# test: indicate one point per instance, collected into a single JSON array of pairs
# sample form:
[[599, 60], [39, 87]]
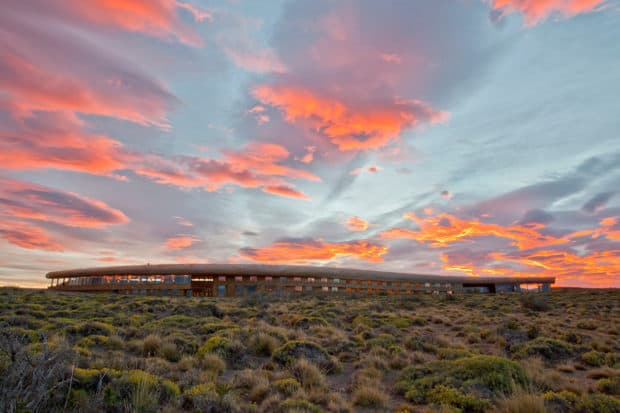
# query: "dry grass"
[[310, 354]]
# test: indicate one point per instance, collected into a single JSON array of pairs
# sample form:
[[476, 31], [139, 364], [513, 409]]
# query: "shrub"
[[90, 328], [308, 374], [299, 406], [599, 403], [534, 302], [287, 386], [151, 345], [609, 385], [549, 349], [262, 344], [368, 395], [593, 358], [169, 351], [213, 363], [229, 350], [523, 403], [306, 322], [564, 401], [444, 395], [296, 350], [485, 376]]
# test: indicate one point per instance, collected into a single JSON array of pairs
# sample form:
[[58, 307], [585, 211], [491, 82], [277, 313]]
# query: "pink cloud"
[[258, 165], [347, 126], [25, 200], [180, 242], [356, 224], [535, 11]]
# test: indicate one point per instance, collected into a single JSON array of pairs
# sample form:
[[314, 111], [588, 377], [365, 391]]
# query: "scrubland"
[[556, 352]]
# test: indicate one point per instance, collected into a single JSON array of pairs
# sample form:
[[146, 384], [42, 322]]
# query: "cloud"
[[597, 202], [536, 216], [372, 169], [155, 18], [349, 127], [180, 242], [285, 191], [444, 229], [27, 236], [56, 140], [258, 165], [536, 11], [24, 200], [314, 251], [356, 224], [446, 194]]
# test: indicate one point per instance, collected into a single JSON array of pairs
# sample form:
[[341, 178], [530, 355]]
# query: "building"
[[234, 280]]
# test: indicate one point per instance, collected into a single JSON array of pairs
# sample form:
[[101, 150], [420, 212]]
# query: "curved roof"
[[279, 270]]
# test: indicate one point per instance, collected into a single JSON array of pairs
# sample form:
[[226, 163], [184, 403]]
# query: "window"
[[238, 278], [311, 279], [334, 289], [222, 278], [253, 278], [297, 279], [268, 278], [323, 280], [336, 280], [427, 285], [221, 290], [325, 288]]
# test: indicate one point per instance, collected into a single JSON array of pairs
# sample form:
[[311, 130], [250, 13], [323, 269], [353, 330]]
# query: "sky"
[[454, 137]]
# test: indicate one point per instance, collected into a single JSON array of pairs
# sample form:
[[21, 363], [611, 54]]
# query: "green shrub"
[[151, 345], [229, 350], [609, 385], [593, 358], [287, 386], [549, 349], [90, 328], [484, 376], [444, 395], [564, 401], [599, 403]]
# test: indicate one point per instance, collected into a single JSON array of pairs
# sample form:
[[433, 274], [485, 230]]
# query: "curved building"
[[232, 280]]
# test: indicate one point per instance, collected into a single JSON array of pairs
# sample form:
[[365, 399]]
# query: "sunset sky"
[[461, 137]]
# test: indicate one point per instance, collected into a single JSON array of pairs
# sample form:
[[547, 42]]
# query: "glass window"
[[311, 279], [268, 278], [221, 290], [238, 278], [253, 278], [221, 278]]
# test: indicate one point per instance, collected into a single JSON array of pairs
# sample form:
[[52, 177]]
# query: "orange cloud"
[[27, 236], [535, 11], [594, 269], [181, 241], [356, 224], [349, 128], [35, 86], [444, 229], [308, 251], [19, 199], [285, 191], [57, 141], [158, 18], [258, 165]]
